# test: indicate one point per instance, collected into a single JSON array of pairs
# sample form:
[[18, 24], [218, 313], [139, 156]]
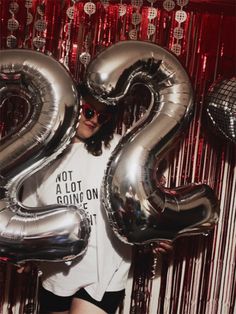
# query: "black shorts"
[[50, 302]]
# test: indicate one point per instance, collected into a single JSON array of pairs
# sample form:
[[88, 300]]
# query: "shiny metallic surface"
[[221, 108], [55, 232], [139, 208]]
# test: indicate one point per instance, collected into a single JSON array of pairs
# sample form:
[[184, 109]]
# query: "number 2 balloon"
[[139, 208], [54, 232]]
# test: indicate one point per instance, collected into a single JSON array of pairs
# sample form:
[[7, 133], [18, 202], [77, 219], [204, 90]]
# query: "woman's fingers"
[[24, 268], [164, 247]]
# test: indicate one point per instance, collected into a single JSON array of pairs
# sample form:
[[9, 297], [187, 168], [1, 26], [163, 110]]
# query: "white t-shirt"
[[75, 178]]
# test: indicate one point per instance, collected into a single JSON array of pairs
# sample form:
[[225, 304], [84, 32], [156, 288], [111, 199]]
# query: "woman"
[[95, 282]]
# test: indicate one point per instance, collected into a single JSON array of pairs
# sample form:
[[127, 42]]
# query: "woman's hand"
[[24, 268], [164, 248]]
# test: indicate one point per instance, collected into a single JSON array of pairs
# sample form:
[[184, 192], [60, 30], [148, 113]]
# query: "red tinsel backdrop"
[[199, 277]]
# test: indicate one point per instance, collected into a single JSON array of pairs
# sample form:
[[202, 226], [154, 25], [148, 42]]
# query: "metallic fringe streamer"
[[200, 275]]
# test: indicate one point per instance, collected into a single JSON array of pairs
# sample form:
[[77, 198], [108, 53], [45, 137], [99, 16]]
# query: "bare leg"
[[80, 306]]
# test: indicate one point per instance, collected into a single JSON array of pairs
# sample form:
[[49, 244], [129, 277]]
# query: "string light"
[[136, 18], [12, 24], [152, 14], [40, 27]]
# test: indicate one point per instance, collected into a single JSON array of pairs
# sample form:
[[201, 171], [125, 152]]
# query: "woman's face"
[[92, 118]]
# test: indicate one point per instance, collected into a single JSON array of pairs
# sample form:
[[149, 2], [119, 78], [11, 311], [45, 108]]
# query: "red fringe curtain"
[[199, 277]]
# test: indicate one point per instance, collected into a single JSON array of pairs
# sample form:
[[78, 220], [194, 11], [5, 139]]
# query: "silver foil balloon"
[[139, 208], [55, 232], [221, 108]]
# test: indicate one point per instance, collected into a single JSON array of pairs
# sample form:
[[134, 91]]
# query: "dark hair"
[[105, 133]]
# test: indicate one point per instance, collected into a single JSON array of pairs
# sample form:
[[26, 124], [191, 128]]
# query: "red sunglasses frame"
[[89, 112]]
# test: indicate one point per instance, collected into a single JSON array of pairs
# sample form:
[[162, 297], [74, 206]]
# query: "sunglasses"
[[89, 112]]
